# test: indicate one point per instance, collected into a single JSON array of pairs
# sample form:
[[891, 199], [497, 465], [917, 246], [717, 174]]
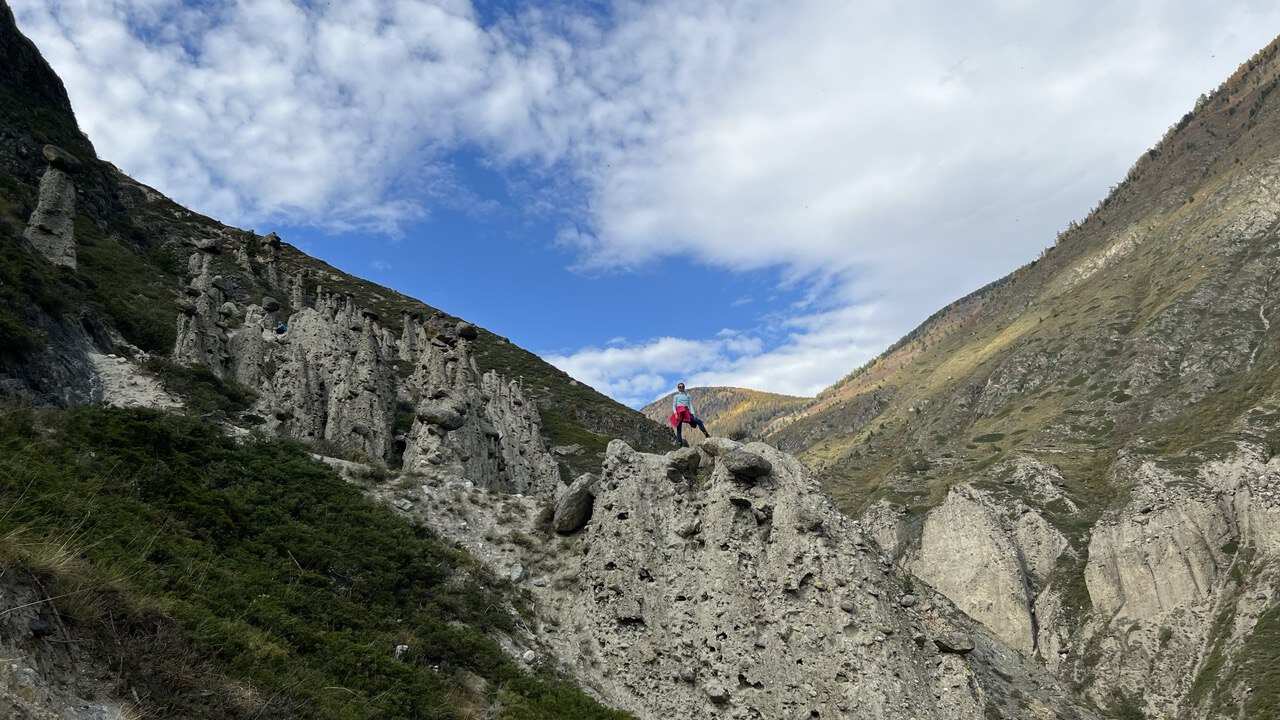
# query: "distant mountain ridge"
[[730, 411]]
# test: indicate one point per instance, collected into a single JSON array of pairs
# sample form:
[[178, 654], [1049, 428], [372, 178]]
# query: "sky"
[[725, 192]]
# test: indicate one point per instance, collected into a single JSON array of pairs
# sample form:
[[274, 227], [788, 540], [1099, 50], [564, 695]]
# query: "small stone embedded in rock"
[[443, 413], [717, 693], [466, 331], [684, 461], [908, 600], [954, 642], [716, 446], [810, 516], [517, 573], [529, 656], [573, 506], [270, 304], [689, 528], [746, 464]]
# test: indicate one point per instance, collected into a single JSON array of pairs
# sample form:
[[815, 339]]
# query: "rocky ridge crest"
[[692, 590]]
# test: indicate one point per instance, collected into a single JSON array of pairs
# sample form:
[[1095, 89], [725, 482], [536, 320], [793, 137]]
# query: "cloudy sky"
[[762, 194]]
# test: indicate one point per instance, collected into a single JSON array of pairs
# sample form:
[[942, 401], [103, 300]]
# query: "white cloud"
[[892, 156], [815, 349], [263, 110], [889, 157], [638, 373]]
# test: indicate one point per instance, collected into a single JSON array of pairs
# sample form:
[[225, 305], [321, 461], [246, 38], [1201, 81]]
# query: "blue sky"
[[726, 192]]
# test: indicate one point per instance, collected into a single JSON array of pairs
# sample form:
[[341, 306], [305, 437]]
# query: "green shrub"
[[134, 286], [278, 572], [202, 392]]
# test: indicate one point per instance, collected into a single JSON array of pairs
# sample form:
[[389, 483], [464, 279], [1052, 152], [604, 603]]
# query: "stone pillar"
[[51, 229]]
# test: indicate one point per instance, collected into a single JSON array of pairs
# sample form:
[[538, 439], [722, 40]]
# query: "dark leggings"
[[696, 423]]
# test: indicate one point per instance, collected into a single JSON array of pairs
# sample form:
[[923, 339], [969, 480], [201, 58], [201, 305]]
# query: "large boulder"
[[573, 506], [684, 461], [442, 412], [61, 159], [746, 465], [716, 446], [954, 642]]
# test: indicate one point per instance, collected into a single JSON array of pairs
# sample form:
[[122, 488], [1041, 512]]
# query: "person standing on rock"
[[682, 413]]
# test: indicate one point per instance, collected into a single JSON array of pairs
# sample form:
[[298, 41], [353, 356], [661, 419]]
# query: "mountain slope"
[[729, 411], [228, 522], [1080, 456], [211, 577], [1096, 429], [195, 575], [131, 248]]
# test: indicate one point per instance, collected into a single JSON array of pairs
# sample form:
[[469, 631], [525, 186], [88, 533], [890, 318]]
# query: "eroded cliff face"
[[1130, 545], [1158, 599], [700, 587], [327, 370]]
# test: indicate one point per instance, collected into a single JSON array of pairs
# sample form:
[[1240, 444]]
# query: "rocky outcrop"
[[574, 504], [1166, 574], [51, 229], [966, 554], [1160, 576], [46, 675], [327, 370], [700, 593], [991, 551]]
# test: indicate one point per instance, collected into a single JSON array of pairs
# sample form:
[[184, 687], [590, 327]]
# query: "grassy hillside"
[[217, 578], [729, 411], [263, 571]]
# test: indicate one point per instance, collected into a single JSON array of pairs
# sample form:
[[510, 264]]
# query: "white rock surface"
[[122, 384], [51, 229], [336, 375], [707, 596]]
